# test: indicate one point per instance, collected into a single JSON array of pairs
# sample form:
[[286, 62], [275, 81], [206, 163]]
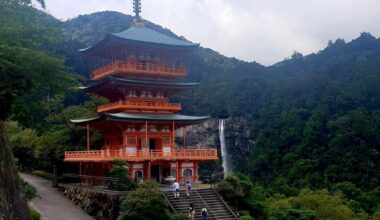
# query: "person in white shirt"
[[176, 189]]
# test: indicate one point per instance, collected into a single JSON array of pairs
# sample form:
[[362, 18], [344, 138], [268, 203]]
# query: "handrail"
[[134, 104], [200, 154], [225, 204], [137, 67], [167, 201], [205, 204]]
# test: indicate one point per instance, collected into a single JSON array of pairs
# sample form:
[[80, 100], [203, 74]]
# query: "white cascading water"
[[223, 148]]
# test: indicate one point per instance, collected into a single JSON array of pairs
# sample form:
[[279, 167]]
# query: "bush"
[[43, 174], [246, 217], [309, 204], [120, 172], [180, 217], [35, 215], [231, 189], [28, 191], [146, 203]]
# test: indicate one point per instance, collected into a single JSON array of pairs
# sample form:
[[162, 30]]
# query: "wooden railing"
[[108, 155], [140, 106], [138, 67]]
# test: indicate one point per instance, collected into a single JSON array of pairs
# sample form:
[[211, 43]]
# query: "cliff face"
[[207, 135]]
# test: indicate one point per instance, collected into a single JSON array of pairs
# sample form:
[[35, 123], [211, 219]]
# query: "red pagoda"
[[139, 123]]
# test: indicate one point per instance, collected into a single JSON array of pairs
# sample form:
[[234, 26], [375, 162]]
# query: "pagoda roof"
[[140, 36], [124, 116], [111, 87]]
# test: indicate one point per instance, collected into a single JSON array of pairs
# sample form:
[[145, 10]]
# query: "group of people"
[[191, 206]]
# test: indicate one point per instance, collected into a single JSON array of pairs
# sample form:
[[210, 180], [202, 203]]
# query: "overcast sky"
[[265, 31]]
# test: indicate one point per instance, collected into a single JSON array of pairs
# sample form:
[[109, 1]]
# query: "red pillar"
[[149, 171], [196, 177], [88, 136], [130, 169], [173, 135], [146, 137], [179, 171]]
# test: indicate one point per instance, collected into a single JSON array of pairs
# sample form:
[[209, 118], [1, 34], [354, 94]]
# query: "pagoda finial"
[[137, 21], [137, 8]]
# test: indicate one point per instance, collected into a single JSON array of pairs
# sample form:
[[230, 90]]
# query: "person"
[[204, 213], [188, 188], [191, 211], [176, 189]]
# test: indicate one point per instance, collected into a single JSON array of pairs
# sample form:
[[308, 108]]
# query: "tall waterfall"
[[225, 164]]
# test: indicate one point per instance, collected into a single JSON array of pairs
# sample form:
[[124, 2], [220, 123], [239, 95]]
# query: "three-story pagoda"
[[140, 122]]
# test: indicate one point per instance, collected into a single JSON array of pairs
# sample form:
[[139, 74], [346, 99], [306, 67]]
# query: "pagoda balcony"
[[123, 68], [152, 106], [109, 155]]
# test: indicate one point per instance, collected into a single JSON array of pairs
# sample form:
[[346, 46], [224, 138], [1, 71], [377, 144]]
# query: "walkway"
[[51, 204]]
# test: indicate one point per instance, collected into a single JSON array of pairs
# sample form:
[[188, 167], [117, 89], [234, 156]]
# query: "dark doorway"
[[155, 172], [152, 144]]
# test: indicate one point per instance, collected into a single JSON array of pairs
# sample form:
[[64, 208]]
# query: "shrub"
[[231, 189], [307, 205], [120, 173], [28, 191], [180, 217], [35, 215], [146, 202], [43, 174], [246, 217]]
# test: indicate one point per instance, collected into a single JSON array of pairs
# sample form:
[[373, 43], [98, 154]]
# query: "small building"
[[139, 123]]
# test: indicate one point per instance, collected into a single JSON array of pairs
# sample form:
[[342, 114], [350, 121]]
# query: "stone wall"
[[101, 204]]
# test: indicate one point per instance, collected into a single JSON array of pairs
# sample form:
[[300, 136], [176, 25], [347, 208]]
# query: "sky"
[[265, 31]]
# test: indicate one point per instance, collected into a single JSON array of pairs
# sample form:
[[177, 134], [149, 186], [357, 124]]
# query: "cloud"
[[264, 31]]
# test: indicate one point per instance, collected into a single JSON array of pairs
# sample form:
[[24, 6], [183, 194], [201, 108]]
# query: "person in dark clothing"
[[204, 213], [191, 211]]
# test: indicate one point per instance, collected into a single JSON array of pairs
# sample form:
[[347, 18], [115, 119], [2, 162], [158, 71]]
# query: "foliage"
[[319, 204], [35, 215], [28, 191], [180, 217], [231, 189], [146, 202], [245, 215], [43, 174], [120, 176]]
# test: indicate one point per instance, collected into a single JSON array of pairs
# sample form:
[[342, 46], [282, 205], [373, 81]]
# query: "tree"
[[120, 175], [145, 203], [308, 205], [231, 189]]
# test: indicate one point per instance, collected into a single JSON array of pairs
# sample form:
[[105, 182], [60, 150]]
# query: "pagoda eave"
[[180, 120], [112, 87], [120, 40]]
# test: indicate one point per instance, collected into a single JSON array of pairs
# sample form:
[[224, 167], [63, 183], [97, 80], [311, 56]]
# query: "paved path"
[[51, 204]]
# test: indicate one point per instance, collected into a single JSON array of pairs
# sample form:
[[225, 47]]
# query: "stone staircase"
[[216, 207]]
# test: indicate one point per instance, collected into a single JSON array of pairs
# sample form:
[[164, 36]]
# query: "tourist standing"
[[188, 188], [191, 211], [176, 189], [204, 213]]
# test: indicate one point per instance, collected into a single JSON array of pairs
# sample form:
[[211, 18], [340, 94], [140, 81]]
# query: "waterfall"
[[223, 149]]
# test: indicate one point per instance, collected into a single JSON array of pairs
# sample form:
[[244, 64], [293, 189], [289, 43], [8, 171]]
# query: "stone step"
[[216, 208]]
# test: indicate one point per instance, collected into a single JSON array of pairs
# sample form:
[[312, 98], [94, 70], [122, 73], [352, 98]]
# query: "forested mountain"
[[306, 122]]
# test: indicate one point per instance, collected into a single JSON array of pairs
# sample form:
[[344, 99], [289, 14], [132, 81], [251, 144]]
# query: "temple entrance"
[[138, 175], [155, 172], [152, 144], [188, 175]]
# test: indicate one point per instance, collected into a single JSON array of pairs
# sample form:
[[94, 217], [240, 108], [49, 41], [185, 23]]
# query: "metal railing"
[[205, 204]]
